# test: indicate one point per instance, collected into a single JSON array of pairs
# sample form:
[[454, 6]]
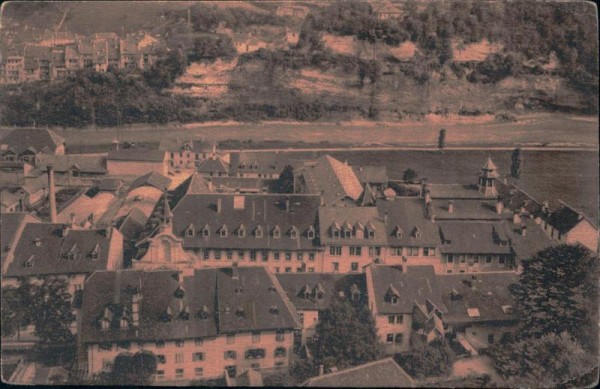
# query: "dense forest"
[[528, 32]]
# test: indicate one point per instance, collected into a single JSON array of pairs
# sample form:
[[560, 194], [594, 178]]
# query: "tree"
[[409, 175], [515, 167], [212, 47], [428, 360], [558, 291], [548, 361], [138, 369], [346, 335], [285, 183], [442, 140], [51, 310], [14, 308]]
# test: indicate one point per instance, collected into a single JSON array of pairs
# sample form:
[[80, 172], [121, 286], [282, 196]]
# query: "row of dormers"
[[241, 231]]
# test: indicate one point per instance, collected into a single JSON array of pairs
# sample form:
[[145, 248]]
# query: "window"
[[488, 259], [299, 256], [253, 255], [160, 374], [288, 256], [190, 231], [230, 354], [255, 337], [277, 269], [179, 373], [301, 317], [336, 266], [461, 258], [179, 358], [413, 251], [280, 352], [276, 233], [288, 269], [501, 260], [230, 338], [217, 255], [354, 266], [280, 336], [390, 338], [391, 319], [206, 254], [160, 344], [311, 256], [205, 232], [335, 250], [265, 256], [394, 300], [449, 271], [255, 353], [356, 250], [396, 251], [241, 255], [197, 357], [336, 233], [310, 234], [450, 258], [491, 338], [223, 232], [199, 371], [293, 233], [399, 338], [375, 250], [255, 365], [124, 345], [106, 364], [179, 343], [105, 324], [276, 256], [429, 251], [229, 254], [161, 359], [241, 232]]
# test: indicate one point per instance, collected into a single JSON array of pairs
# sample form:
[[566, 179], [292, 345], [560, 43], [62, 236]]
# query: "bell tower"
[[487, 179]]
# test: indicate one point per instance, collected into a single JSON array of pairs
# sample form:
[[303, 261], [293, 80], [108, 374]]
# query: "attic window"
[[185, 314], [104, 324], [276, 232], [37, 242], [179, 292], [241, 232], [274, 310], [239, 289], [272, 288], [71, 255], [190, 230], [206, 231], [94, 254], [507, 309], [203, 313], [473, 312], [223, 232], [398, 232], [293, 232], [310, 234], [417, 232], [258, 232], [239, 312], [347, 233], [369, 234], [167, 315], [123, 323], [335, 233]]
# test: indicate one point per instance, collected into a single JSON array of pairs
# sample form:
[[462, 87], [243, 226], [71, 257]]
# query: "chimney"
[[516, 217], [235, 271], [499, 206], [321, 369], [523, 229], [451, 207], [52, 193], [219, 205]]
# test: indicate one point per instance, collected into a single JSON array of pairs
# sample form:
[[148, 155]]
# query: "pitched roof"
[[258, 162], [134, 224], [210, 165], [139, 155], [368, 196], [211, 292], [371, 174], [381, 373], [110, 184], [408, 214], [253, 210], [534, 241], [564, 218], [514, 198], [488, 293], [49, 255], [10, 223], [334, 179], [466, 210], [8, 199], [454, 191], [178, 144], [417, 285], [473, 238], [84, 163], [153, 179], [367, 216], [294, 284], [41, 140]]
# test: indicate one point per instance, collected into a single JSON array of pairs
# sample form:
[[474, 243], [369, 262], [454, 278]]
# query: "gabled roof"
[[267, 211], [153, 179], [258, 162], [466, 210], [473, 238], [415, 286], [177, 144], [216, 165], [328, 216], [45, 141], [110, 184], [368, 197], [84, 163], [377, 374], [565, 218], [209, 295], [138, 155], [334, 179], [49, 256], [408, 213], [10, 223]]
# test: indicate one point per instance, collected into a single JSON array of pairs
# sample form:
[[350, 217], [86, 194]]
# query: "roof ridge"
[[354, 368]]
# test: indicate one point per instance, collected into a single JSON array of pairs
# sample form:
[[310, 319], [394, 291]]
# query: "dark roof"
[[9, 225], [211, 165], [564, 218], [333, 179], [110, 184], [234, 183], [365, 217], [140, 155], [378, 374], [416, 285], [371, 174], [258, 162], [154, 179], [454, 191], [266, 211], [84, 163], [473, 238], [515, 199], [51, 255], [534, 241], [40, 140], [133, 224], [301, 287], [8, 198], [466, 210], [410, 215], [208, 291], [487, 292]]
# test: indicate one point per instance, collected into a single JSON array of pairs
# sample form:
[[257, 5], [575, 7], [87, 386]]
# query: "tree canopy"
[[428, 360], [346, 336]]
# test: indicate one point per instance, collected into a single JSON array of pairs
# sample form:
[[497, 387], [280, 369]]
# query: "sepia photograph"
[[320, 193]]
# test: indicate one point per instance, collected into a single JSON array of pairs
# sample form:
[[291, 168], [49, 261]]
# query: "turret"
[[487, 179]]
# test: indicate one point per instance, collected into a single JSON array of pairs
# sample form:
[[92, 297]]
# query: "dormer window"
[[123, 324], [185, 314], [179, 292], [417, 232], [104, 324], [348, 233], [319, 292], [258, 232], [335, 230], [310, 233], [203, 313], [206, 231], [241, 232], [369, 234], [273, 309], [190, 231], [391, 295], [398, 232], [239, 312], [293, 232], [223, 232], [28, 262], [167, 315], [304, 292], [336, 233], [37, 242], [94, 255], [276, 232]]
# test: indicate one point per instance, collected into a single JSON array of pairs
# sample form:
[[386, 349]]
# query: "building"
[[11, 228], [384, 373], [567, 225], [257, 164], [185, 153], [385, 10], [313, 293], [75, 169], [275, 231], [407, 305], [28, 144], [137, 162], [199, 324], [152, 179]]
